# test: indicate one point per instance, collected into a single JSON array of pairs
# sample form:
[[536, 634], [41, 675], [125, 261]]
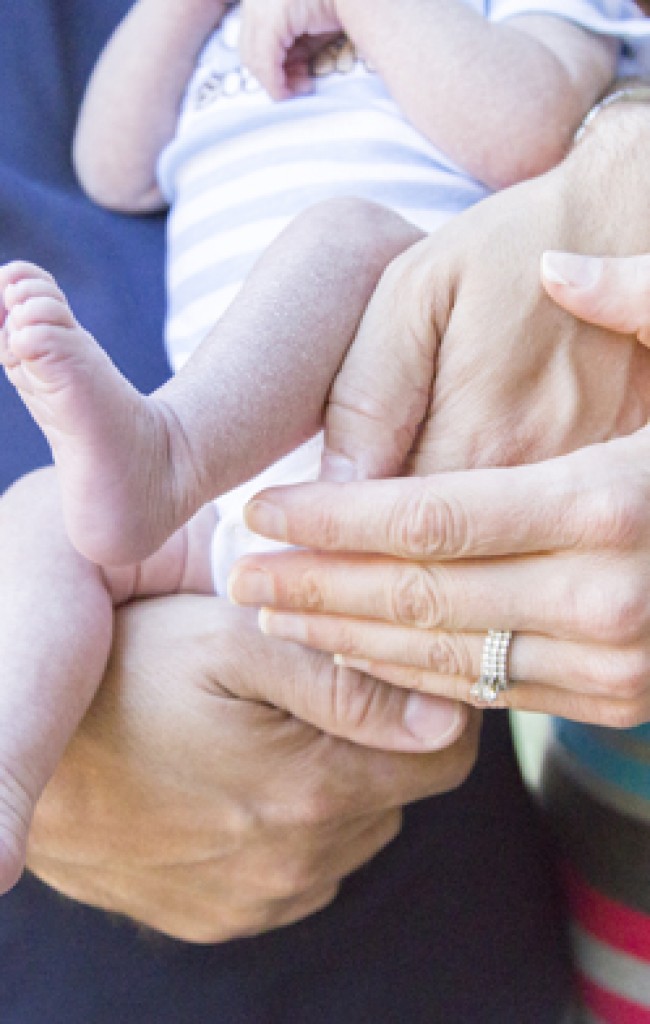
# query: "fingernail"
[[337, 469], [286, 627], [571, 270], [433, 722], [265, 518], [251, 586], [360, 664]]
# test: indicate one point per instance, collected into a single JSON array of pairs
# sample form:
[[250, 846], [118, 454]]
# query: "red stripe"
[[610, 1008], [613, 923]]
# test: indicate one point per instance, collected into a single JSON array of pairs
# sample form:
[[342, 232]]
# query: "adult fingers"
[[381, 393], [573, 596], [452, 660], [593, 497], [610, 292], [530, 695], [340, 701]]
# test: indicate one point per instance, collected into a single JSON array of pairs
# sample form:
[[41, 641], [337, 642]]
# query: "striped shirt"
[[596, 790]]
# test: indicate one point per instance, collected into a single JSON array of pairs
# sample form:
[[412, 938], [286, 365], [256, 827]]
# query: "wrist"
[[604, 186], [622, 91]]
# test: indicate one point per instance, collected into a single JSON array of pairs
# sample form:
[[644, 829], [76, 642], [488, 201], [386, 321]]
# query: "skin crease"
[[88, 774], [104, 438], [262, 816], [414, 605]]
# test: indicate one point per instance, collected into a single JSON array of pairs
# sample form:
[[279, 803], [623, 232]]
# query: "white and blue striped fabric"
[[241, 166]]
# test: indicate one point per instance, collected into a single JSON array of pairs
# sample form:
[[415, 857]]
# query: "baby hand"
[[274, 44]]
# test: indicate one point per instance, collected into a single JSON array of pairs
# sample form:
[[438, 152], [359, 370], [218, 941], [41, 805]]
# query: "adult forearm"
[[502, 99], [132, 100]]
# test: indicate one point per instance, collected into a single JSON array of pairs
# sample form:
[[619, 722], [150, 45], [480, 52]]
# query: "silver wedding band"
[[493, 679]]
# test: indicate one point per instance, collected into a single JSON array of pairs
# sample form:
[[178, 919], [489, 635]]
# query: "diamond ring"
[[493, 679]]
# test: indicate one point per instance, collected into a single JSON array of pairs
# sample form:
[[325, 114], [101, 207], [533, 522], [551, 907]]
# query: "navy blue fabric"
[[457, 921]]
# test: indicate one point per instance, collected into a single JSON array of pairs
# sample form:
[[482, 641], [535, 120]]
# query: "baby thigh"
[[57, 620]]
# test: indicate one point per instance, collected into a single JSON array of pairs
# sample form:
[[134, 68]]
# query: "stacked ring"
[[493, 679]]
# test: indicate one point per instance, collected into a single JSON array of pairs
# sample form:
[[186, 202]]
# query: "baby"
[[363, 155]]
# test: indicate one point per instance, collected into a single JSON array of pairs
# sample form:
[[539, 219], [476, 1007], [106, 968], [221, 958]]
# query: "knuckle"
[[310, 808], [291, 876], [418, 598], [624, 715], [448, 655], [314, 805], [357, 701], [347, 641], [616, 613], [614, 516], [627, 613], [424, 524], [306, 593], [627, 675]]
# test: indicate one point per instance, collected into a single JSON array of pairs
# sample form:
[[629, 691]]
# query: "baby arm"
[[132, 100], [503, 100]]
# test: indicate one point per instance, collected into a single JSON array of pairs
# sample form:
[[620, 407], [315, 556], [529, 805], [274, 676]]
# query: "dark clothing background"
[[457, 921]]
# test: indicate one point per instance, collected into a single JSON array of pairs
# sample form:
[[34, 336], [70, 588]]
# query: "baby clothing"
[[241, 166]]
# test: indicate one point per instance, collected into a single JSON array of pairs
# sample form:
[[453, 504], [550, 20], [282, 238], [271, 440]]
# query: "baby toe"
[[18, 270], [19, 292], [41, 309]]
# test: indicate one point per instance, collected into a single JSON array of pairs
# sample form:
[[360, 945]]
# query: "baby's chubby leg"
[[103, 434], [55, 634], [134, 468], [56, 615], [257, 386]]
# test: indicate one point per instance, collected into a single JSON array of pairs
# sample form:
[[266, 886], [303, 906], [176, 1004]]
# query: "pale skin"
[[113, 747], [132, 470], [507, 114], [125, 120], [558, 551], [500, 99], [70, 387]]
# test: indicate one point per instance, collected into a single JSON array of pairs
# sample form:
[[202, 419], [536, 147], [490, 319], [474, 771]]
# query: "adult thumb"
[[381, 394], [611, 292]]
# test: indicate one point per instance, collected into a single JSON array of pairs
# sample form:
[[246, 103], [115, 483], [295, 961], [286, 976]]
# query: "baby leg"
[[134, 468], [55, 638], [56, 610], [257, 386], [103, 434]]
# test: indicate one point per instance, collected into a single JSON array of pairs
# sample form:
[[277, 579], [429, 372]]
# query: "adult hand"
[[517, 380], [463, 360], [192, 802], [613, 293], [558, 552]]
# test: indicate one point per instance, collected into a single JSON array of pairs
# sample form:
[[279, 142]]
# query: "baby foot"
[[108, 441]]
